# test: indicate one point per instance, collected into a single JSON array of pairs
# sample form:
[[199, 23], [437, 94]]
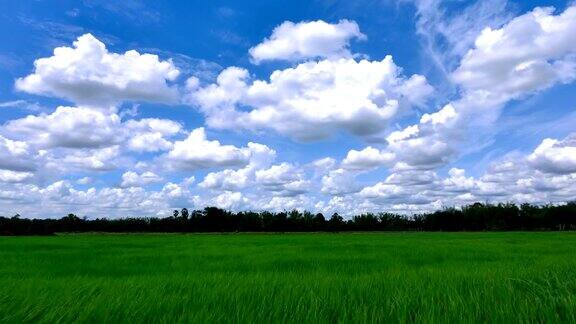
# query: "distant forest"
[[475, 217]]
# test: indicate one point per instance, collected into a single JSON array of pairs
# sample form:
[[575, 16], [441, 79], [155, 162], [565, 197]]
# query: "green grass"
[[264, 278]]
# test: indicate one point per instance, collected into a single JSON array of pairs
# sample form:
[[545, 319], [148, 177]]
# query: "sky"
[[136, 108]]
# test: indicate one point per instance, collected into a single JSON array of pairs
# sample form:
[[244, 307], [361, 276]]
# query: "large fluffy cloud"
[[367, 158], [284, 179], [555, 156], [14, 176], [312, 39], [278, 187], [133, 179], [230, 179], [339, 182], [83, 127], [329, 90], [72, 127], [89, 74], [197, 152], [312, 100], [530, 53], [68, 160], [15, 155], [548, 174], [92, 135], [150, 134]]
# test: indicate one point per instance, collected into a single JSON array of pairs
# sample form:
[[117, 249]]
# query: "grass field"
[[358, 277]]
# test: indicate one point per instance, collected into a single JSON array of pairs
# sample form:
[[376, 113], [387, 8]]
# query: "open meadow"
[[265, 278]]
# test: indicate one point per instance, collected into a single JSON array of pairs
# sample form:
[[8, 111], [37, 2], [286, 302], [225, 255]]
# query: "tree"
[[336, 222], [72, 218], [319, 221], [184, 213], [176, 213]]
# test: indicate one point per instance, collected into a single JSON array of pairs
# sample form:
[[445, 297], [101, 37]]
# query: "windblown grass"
[[265, 278]]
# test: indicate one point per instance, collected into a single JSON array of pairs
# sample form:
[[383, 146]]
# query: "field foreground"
[[359, 277]]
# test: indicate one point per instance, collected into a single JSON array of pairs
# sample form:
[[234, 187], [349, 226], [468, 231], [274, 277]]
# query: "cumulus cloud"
[[428, 144], [71, 127], [230, 200], [543, 176], [81, 137], [367, 158], [229, 179], [133, 179], [284, 179], [555, 156], [61, 197], [313, 39], [67, 160], [197, 152], [457, 182], [15, 155], [150, 134], [510, 179], [339, 182], [329, 90], [405, 187], [14, 176], [531, 52], [312, 100], [89, 74], [84, 180]]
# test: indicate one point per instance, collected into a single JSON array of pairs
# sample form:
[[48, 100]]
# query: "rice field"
[[269, 278]]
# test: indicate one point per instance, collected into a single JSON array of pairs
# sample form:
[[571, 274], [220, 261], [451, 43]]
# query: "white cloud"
[[88, 74], [71, 127], [231, 200], [411, 187], [510, 179], [133, 179], [261, 157], [15, 155], [339, 182], [227, 179], [428, 144], [332, 92], [284, 179], [313, 39], [555, 156], [367, 158], [14, 176], [323, 165], [531, 52], [84, 180], [312, 100], [447, 35], [103, 159], [22, 104], [457, 181], [84, 127], [285, 203], [149, 134], [544, 176], [197, 152]]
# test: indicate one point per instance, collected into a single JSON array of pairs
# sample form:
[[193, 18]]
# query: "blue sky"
[[349, 106]]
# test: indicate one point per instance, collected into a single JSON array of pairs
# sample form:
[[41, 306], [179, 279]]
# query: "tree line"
[[474, 217]]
